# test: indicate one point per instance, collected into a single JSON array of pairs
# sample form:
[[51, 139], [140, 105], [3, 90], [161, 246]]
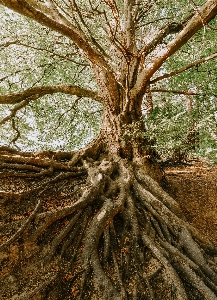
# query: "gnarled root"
[[116, 235]]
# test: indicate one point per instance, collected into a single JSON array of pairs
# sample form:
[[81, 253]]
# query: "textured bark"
[[104, 229], [40, 91], [96, 224]]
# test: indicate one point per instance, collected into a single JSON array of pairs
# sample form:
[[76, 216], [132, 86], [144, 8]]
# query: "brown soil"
[[195, 188]]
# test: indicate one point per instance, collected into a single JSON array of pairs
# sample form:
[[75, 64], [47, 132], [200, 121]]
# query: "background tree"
[[112, 232]]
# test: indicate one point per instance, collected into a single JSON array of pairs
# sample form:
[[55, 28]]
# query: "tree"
[[121, 236]]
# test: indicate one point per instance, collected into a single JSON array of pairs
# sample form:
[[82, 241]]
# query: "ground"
[[23, 261], [195, 188]]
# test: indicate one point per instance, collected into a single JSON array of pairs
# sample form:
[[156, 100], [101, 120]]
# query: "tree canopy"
[[123, 83], [49, 51]]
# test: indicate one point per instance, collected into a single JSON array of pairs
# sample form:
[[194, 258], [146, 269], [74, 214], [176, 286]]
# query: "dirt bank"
[[195, 188]]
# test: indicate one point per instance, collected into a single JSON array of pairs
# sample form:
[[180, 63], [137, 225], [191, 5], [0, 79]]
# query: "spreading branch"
[[185, 68], [14, 110], [40, 91], [168, 29], [51, 52], [174, 92], [50, 17], [201, 17]]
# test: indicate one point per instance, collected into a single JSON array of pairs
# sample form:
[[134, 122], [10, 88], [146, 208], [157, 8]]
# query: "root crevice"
[[114, 234]]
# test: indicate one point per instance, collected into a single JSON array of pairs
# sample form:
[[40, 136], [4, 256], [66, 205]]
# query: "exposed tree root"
[[119, 235], [30, 294]]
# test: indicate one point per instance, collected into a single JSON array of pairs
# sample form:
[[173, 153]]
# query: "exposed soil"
[[21, 273], [195, 188]]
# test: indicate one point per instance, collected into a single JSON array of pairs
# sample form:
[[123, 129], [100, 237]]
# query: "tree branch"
[[14, 110], [201, 17], [40, 91], [196, 63], [24, 70], [173, 91], [90, 34], [129, 25], [46, 16], [50, 17], [66, 57], [166, 30]]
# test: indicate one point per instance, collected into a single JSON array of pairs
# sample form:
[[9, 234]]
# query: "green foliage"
[[172, 128], [33, 55], [171, 121], [38, 56], [60, 123]]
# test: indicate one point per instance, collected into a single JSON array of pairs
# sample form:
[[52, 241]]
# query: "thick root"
[[115, 234]]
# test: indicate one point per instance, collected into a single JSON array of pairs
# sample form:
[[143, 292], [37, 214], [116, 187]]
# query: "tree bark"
[[96, 223], [114, 234]]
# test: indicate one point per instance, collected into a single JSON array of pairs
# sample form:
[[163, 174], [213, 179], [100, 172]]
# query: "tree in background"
[[111, 232]]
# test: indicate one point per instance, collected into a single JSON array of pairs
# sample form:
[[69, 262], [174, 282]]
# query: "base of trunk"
[[97, 228]]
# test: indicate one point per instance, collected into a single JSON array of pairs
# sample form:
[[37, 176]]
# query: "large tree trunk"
[[96, 224]]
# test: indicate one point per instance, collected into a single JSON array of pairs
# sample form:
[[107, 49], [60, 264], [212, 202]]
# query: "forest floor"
[[195, 188], [193, 185]]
